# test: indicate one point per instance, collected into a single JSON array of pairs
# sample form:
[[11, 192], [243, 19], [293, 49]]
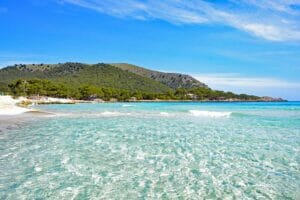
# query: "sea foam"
[[110, 113], [203, 113], [164, 113], [127, 105]]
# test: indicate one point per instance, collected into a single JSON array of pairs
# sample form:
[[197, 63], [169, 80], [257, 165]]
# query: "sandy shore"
[[9, 106], [16, 106], [16, 112]]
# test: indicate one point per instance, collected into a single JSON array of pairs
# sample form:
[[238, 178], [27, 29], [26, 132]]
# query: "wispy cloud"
[[223, 80], [274, 20], [261, 86], [276, 5]]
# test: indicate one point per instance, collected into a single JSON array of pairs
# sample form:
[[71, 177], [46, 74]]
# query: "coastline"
[[10, 106], [14, 112], [204, 101]]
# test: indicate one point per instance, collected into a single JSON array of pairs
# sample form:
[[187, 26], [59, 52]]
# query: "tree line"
[[43, 87]]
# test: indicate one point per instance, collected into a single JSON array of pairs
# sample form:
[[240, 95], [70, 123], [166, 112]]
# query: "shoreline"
[[159, 101], [75, 101], [17, 112], [200, 101], [15, 106]]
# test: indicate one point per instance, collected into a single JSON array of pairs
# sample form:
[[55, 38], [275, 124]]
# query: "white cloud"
[[276, 5], [116, 8], [274, 20], [271, 32], [261, 86], [236, 80]]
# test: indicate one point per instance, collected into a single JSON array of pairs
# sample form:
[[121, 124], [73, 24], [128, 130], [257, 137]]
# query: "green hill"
[[77, 74], [173, 80], [107, 81]]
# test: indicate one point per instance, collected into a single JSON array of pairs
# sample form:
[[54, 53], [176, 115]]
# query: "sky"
[[244, 46]]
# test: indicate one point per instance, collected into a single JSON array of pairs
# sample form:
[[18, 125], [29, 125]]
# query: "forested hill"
[[77, 74], [109, 81], [173, 80]]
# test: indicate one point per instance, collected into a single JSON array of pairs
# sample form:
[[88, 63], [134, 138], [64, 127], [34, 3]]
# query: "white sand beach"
[[13, 115], [11, 106], [8, 106]]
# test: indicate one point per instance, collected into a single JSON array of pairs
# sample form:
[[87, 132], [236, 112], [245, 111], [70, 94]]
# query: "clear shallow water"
[[155, 151]]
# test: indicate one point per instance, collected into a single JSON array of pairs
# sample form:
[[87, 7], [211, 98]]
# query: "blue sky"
[[245, 46]]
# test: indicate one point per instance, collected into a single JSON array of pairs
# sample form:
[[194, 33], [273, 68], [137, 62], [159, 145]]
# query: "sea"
[[158, 150]]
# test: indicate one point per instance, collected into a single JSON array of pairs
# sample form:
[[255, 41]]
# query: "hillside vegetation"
[[77, 74], [121, 82], [173, 80]]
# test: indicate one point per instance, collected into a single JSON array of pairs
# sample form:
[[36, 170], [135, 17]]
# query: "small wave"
[[202, 113], [109, 113], [164, 113], [91, 114], [127, 105], [38, 168]]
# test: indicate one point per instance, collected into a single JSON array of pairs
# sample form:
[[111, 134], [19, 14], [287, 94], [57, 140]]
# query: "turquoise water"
[[154, 151]]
